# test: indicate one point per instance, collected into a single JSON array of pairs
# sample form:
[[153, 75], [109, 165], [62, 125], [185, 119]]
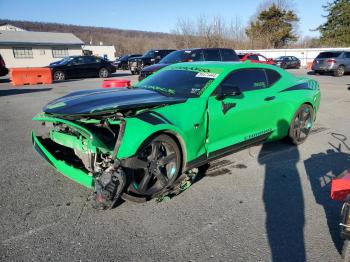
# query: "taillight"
[[331, 61]]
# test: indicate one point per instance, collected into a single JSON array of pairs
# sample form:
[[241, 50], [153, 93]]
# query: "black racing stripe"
[[161, 117], [303, 86], [150, 118]]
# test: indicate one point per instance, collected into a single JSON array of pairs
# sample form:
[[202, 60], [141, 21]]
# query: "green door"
[[245, 117]]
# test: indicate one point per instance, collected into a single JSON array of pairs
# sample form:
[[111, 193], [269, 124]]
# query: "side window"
[[228, 55], [272, 76], [246, 80], [88, 60], [253, 57], [262, 58], [212, 55], [197, 55], [347, 54], [78, 61]]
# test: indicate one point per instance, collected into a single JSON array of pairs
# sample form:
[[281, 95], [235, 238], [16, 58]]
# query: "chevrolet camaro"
[[138, 141]]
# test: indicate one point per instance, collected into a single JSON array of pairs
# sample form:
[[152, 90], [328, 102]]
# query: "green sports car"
[[137, 142]]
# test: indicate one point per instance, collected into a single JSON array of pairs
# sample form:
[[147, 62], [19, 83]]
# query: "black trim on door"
[[203, 159]]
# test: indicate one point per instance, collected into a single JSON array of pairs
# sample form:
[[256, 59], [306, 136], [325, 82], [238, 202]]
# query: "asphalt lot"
[[267, 203]]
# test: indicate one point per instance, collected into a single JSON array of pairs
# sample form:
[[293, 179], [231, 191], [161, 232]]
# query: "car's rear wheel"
[[103, 73], [301, 124], [59, 76], [155, 168], [340, 71]]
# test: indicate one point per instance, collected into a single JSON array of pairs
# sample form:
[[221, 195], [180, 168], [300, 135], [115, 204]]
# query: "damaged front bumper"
[[80, 176]]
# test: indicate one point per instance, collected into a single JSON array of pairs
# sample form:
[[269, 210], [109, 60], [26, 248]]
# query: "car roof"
[[218, 66]]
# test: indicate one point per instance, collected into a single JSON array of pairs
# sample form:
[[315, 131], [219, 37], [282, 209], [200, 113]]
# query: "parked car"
[[256, 58], [3, 70], [123, 62], [149, 58], [191, 55], [287, 62], [81, 66], [140, 142], [335, 62]]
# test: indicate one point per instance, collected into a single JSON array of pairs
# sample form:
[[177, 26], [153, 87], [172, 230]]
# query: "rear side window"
[[329, 54], [272, 76], [347, 55], [228, 55], [247, 79], [253, 57], [212, 55]]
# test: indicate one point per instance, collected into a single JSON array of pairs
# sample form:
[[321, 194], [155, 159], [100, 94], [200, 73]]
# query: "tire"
[[59, 76], [346, 251], [340, 71], [103, 72], [301, 124], [150, 177]]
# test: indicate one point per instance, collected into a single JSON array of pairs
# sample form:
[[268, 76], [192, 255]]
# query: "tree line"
[[273, 26]]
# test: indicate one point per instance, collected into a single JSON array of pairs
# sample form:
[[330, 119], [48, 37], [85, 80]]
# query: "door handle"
[[269, 98]]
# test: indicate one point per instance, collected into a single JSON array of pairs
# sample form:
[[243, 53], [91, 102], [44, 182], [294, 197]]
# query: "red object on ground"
[[30, 76], [118, 83], [340, 188]]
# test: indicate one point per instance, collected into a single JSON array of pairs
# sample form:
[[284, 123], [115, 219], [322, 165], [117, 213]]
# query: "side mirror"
[[228, 91]]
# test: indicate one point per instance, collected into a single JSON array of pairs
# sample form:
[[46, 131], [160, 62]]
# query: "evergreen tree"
[[273, 27], [336, 30]]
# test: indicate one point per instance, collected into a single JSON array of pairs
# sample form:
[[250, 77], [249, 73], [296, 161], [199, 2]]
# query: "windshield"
[[149, 53], [65, 60], [181, 56], [328, 54], [181, 83]]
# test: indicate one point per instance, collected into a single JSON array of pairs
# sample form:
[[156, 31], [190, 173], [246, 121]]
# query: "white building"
[[36, 49], [106, 51], [9, 27]]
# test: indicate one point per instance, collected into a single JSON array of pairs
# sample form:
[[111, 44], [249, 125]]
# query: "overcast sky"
[[149, 15]]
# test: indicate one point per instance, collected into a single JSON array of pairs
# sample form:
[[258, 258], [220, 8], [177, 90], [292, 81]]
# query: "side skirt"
[[203, 159]]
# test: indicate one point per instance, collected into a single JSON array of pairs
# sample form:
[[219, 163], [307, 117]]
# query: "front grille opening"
[[63, 153]]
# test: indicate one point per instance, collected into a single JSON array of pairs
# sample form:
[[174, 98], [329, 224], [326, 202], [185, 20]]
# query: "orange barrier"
[[308, 65], [116, 83], [30, 76]]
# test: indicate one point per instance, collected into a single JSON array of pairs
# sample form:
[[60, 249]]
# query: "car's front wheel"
[[103, 73], [155, 168], [59, 76], [301, 124]]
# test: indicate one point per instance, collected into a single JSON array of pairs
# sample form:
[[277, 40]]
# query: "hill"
[[125, 41]]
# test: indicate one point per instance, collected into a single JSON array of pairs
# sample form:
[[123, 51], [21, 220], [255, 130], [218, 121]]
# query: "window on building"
[[22, 52], [59, 52]]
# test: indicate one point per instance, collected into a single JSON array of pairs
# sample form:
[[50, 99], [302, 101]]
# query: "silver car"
[[336, 62]]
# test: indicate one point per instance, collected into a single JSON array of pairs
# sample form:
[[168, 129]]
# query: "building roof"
[[38, 38]]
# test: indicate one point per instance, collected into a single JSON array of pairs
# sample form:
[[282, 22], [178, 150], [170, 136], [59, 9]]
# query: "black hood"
[[101, 101]]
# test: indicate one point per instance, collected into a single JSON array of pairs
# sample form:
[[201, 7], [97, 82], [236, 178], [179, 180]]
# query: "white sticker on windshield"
[[188, 51], [207, 75]]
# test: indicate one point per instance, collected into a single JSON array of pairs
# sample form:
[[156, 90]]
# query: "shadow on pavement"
[[284, 202], [10, 92], [320, 169], [5, 80]]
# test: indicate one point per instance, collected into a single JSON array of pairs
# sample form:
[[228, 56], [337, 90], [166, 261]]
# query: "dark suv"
[[3, 70], [81, 66], [191, 55], [149, 58], [122, 63], [336, 62]]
